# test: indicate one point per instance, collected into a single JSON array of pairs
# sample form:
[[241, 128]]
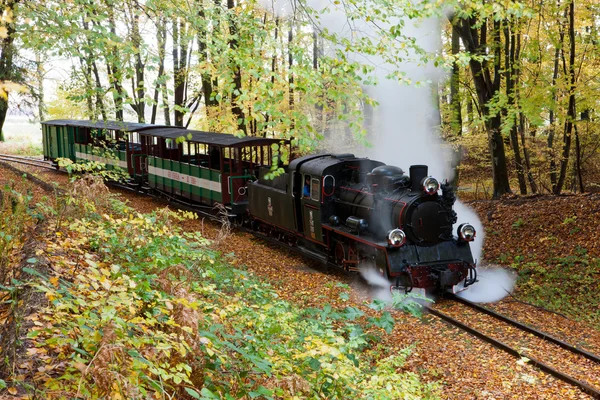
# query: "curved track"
[[585, 387]]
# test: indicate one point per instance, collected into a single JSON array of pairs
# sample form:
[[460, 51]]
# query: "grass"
[[568, 285], [21, 149], [22, 137]]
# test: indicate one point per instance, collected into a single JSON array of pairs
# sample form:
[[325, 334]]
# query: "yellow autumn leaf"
[[54, 281], [7, 16]]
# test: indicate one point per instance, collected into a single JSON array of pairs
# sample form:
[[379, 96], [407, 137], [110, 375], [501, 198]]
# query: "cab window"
[[306, 187]]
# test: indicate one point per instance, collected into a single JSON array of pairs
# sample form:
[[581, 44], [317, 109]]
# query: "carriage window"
[[171, 144], [314, 190], [328, 185]]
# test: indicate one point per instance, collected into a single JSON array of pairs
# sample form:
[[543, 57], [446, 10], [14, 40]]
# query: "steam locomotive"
[[343, 210], [356, 212]]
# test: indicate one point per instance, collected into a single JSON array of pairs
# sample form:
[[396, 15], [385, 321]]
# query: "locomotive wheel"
[[340, 254]]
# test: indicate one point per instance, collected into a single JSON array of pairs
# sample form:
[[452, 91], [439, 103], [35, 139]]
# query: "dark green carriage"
[[205, 167], [113, 143]]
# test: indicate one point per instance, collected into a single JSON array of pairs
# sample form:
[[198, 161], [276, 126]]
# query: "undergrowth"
[[137, 308], [21, 148], [568, 285]]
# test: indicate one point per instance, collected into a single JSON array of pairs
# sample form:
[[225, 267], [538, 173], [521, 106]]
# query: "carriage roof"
[[110, 125], [212, 138], [171, 132]]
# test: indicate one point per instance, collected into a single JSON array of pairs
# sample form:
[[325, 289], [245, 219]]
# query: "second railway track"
[[562, 360]]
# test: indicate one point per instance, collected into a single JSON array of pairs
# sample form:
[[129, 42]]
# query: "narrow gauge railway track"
[[27, 161], [7, 161], [585, 387]]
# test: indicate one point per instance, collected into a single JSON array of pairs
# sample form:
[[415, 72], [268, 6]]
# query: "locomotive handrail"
[[230, 180]]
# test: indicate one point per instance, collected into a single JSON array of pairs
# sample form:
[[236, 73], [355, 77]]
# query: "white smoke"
[[380, 286], [493, 284], [406, 127], [466, 214]]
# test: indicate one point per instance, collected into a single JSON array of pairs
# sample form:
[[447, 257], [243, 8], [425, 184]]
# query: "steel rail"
[[584, 387], [27, 161], [45, 185], [526, 328]]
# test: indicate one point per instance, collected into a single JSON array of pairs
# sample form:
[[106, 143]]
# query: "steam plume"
[[493, 284], [407, 122]]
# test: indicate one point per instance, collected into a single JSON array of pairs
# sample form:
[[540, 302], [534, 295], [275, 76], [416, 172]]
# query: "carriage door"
[[134, 155], [240, 175], [311, 195]]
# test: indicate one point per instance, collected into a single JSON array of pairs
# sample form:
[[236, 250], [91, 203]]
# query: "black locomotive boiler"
[[355, 212]]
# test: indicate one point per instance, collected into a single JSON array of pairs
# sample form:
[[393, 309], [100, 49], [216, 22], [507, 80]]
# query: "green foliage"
[[95, 168], [518, 223], [148, 308]]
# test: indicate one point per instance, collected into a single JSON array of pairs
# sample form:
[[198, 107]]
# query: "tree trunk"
[[39, 62], [571, 112], [236, 108], [273, 69], [455, 100], [139, 68], [475, 43], [208, 83], [290, 73], [113, 70], [532, 184], [177, 75], [511, 71], [99, 92], [7, 52], [161, 42], [88, 83], [557, 54], [578, 161], [455, 105]]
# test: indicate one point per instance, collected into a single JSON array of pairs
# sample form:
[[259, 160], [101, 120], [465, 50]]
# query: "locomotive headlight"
[[430, 185], [396, 237], [466, 232]]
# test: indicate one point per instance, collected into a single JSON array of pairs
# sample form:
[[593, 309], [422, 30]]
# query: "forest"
[[107, 293], [516, 98]]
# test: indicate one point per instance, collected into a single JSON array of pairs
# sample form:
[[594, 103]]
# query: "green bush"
[[138, 307]]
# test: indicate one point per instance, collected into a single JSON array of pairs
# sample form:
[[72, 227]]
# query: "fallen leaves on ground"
[[467, 367]]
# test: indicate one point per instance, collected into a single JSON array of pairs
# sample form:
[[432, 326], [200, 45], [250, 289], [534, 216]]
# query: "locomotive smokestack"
[[417, 174]]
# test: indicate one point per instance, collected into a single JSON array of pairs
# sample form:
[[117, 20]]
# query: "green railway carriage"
[[57, 140], [205, 167], [114, 143]]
